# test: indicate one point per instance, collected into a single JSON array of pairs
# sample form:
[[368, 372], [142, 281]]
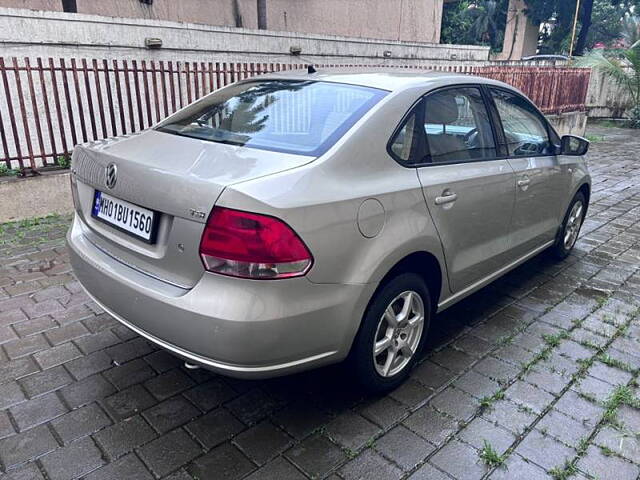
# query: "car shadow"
[[333, 390]]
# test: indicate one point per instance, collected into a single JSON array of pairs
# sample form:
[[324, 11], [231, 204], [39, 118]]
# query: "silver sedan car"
[[299, 219]]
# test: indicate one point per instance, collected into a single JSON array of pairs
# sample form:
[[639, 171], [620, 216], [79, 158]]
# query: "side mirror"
[[574, 145]]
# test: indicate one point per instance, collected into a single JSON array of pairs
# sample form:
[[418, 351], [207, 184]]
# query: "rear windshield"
[[301, 117]]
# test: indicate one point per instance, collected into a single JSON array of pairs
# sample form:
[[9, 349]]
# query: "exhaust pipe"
[[191, 366]]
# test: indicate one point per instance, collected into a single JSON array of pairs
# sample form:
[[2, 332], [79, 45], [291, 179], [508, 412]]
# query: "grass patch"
[[614, 362], [562, 473], [595, 138], [622, 395], [488, 401], [490, 457]]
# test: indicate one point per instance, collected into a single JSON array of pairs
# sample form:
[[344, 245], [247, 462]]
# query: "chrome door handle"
[[446, 198], [524, 182]]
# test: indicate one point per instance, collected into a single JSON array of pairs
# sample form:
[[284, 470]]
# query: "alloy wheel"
[[398, 334], [574, 222]]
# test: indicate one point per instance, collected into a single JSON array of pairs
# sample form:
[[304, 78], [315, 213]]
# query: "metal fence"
[[49, 105]]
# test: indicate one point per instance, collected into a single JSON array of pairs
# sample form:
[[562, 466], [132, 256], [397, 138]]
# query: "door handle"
[[447, 197], [524, 182]]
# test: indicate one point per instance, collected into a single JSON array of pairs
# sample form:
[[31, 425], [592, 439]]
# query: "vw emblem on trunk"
[[111, 175]]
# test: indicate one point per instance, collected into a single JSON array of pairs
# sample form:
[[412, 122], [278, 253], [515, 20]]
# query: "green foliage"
[[480, 22], [490, 457], [5, 171], [624, 70], [63, 161]]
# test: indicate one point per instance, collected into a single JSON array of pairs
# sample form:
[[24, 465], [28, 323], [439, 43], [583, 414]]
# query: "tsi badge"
[[111, 175], [196, 213]]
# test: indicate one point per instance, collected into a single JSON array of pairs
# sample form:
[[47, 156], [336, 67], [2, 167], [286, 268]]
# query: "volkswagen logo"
[[111, 175]]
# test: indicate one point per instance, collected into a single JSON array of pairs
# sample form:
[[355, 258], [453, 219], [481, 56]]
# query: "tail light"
[[250, 245]]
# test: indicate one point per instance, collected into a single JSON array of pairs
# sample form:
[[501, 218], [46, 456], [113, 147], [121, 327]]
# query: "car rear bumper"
[[237, 327]]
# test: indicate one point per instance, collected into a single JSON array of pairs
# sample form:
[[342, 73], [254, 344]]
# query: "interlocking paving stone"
[[301, 419], [86, 391], [277, 469], [369, 465], [26, 446], [151, 418], [479, 431], [431, 425], [215, 427], [459, 460], [124, 436], [316, 456], [516, 468], [226, 461], [607, 467], [351, 430], [81, 422], [73, 461], [37, 411], [544, 451], [128, 402], [262, 442], [170, 414], [625, 444], [44, 382], [564, 428], [30, 471], [170, 452], [129, 467], [169, 384], [403, 447]]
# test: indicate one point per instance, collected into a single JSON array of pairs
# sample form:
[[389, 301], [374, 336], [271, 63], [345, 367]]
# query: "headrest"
[[441, 109]]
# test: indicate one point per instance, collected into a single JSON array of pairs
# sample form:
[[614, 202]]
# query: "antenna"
[[311, 69]]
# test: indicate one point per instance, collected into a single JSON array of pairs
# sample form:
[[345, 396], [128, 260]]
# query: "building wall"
[[57, 34], [407, 20]]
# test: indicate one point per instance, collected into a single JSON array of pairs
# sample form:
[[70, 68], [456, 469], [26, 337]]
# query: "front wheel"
[[570, 228], [392, 334]]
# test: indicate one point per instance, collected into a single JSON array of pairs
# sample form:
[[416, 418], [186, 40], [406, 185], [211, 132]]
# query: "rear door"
[[541, 179], [469, 191]]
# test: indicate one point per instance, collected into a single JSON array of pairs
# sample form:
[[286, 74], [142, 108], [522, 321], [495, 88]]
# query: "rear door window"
[[300, 117]]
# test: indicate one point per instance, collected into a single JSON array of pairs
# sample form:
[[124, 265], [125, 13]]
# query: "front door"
[[541, 179], [469, 192]]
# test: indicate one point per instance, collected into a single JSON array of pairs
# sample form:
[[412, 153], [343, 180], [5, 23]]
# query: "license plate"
[[127, 217]]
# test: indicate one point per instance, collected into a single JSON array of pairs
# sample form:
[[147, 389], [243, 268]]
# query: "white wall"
[[43, 34]]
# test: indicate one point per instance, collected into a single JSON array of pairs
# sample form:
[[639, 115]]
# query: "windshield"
[[301, 117]]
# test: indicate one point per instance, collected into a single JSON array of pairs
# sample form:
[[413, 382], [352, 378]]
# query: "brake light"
[[250, 245]]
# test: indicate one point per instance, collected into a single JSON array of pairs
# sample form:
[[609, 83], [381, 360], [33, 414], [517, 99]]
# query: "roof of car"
[[392, 79]]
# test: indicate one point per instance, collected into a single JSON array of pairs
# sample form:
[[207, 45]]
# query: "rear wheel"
[[392, 333], [570, 228]]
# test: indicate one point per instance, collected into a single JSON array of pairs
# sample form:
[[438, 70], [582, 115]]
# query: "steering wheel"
[[469, 135]]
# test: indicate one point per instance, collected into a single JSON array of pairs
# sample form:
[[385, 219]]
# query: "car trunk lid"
[[180, 178]]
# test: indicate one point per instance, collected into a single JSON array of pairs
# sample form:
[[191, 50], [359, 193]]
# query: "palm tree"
[[623, 70], [484, 15]]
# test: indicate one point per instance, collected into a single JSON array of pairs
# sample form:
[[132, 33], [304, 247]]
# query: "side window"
[[457, 126], [404, 143], [525, 132]]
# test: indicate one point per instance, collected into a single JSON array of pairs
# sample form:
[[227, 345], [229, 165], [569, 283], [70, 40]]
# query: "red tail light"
[[249, 245]]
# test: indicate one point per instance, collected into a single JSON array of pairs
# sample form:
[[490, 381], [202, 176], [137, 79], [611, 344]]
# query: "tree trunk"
[[585, 21], [262, 14]]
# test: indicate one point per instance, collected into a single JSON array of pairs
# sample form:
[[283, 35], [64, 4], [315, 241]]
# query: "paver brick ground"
[[534, 377]]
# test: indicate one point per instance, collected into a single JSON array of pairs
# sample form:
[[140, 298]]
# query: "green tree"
[[479, 22], [624, 70], [598, 21]]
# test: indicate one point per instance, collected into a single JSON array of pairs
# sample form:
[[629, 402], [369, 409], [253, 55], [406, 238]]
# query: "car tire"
[[378, 373], [570, 228]]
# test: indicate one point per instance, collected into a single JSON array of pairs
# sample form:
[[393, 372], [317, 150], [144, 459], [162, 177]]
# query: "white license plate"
[[132, 219]]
